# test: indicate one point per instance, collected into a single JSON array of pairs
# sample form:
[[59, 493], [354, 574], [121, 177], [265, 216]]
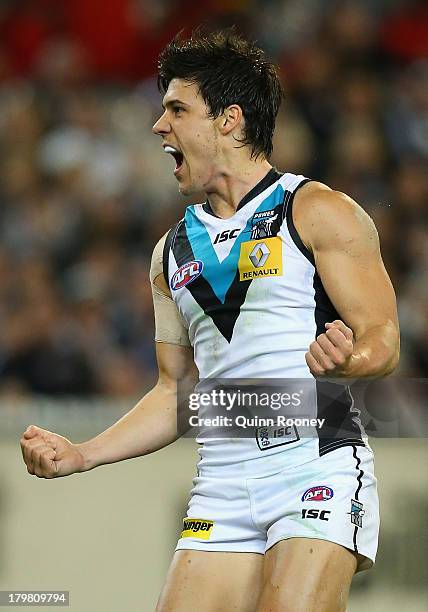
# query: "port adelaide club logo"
[[356, 513], [186, 274], [262, 223]]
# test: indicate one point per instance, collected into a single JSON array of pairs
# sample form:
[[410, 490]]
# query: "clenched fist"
[[331, 351], [48, 455]]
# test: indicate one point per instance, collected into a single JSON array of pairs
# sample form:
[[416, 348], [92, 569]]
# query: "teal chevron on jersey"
[[220, 275]]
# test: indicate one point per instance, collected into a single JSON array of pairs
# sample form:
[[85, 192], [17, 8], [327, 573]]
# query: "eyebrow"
[[172, 102]]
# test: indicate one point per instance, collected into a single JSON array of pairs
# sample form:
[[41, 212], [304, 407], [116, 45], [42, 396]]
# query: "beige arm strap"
[[169, 324]]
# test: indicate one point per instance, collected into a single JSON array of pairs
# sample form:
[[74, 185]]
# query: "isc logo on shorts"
[[197, 528], [259, 258]]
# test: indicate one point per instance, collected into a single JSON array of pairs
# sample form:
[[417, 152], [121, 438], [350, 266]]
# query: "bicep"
[[169, 325], [173, 351], [349, 263], [360, 290], [176, 365]]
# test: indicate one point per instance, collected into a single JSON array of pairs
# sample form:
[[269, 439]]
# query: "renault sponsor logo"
[[259, 255], [197, 528], [260, 258]]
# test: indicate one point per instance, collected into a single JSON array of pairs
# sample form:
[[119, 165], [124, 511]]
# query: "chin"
[[183, 189], [187, 190]]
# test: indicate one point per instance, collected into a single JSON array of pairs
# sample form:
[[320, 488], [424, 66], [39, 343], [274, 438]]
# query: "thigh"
[[306, 575], [212, 582]]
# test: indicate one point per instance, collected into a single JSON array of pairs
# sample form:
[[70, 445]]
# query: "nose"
[[161, 126]]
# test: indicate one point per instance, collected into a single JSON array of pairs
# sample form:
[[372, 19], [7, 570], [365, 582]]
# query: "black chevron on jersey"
[[224, 315]]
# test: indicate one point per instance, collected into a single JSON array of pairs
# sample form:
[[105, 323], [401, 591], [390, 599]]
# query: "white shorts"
[[333, 497]]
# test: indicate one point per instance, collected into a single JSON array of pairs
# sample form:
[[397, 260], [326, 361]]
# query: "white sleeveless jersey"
[[249, 293]]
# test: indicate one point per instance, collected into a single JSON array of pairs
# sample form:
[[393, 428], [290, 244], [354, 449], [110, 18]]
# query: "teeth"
[[169, 149]]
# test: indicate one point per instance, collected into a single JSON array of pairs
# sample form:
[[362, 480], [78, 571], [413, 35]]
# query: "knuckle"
[[317, 368], [313, 364], [36, 460], [338, 358], [46, 458], [330, 361]]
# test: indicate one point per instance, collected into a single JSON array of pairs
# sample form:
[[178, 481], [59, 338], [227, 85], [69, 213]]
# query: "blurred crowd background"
[[86, 191]]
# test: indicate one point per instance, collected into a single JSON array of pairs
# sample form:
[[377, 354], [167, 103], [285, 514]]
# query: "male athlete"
[[274, 276]]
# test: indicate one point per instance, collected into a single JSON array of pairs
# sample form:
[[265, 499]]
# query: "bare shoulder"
[[156, 267], [326, 218]]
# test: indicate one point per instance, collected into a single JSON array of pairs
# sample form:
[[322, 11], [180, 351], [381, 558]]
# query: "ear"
[[230, 119]]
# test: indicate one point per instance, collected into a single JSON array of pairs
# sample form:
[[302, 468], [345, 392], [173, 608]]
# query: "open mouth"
[[177, 155]]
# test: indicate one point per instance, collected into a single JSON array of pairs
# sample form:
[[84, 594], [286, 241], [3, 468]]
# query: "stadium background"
[[86, 191]]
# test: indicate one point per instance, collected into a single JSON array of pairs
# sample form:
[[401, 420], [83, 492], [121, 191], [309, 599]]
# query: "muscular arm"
[[345, 246], [149, 426], [152, 424]]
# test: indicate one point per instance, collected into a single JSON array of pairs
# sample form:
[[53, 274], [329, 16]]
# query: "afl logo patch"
[[319, 493], [186, 274]]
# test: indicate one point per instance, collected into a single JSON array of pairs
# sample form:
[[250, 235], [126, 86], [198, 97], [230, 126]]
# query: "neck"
[[233, 184]]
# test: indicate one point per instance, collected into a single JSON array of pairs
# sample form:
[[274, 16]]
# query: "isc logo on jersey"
[[186, 274], [259, 258], [197, 528]]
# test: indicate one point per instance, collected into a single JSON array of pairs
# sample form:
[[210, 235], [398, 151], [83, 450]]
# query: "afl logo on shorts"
[[320, 493], [186, 274]]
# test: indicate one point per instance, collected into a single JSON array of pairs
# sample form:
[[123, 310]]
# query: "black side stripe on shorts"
[[360, 484]]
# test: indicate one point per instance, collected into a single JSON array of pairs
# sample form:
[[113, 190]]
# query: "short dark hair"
[[228, 69]]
